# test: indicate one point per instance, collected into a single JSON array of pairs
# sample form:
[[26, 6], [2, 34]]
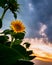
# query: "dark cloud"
[[41, 13], [44, 13], [44, 9], [48, 32]]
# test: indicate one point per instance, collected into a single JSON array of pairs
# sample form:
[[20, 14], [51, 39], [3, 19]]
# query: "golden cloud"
[[41, 48]]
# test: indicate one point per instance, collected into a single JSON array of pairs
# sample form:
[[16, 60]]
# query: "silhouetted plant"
[[11, 51]]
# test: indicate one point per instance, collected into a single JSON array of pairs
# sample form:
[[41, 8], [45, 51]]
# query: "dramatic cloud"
[[34, 14], [44, 12], [37, 15], [41, 50]]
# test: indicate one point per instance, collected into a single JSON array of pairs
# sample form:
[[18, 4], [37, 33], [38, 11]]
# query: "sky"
[[36, 16], [41, 49]]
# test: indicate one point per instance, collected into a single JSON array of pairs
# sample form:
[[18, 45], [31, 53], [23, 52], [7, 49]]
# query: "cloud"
[[32, 13], [44, 15], [42, 30], [41, 50], [30, 7]]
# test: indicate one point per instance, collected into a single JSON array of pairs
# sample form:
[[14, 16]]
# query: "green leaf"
[[27, 44], [15, 15], [3, 39], [0, 23], [30, 52], [13, 5], [15, 35], [16, 42], [22, 62], [8, 55], [7, 31], [8, 43], [18, 35], [2, 3], [21, 51], [31, 57]]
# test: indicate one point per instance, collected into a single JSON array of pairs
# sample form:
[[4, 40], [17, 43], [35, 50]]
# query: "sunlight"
[[41, 49]]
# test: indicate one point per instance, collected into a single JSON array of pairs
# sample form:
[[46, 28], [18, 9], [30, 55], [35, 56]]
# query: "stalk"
[[4, 12]]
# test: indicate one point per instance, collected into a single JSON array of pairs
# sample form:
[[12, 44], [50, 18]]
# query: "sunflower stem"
[[11, 43], [4, 12]]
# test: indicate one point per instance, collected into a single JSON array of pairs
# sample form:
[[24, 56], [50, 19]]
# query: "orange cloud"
[[41, 48]]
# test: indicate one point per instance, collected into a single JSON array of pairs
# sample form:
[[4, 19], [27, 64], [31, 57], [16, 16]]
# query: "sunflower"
[[17, 26]]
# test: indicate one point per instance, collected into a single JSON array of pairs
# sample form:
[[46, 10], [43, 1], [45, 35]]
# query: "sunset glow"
[[42, 50]]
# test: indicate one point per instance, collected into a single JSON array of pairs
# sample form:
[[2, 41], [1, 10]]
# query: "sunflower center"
[[18, 27]]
